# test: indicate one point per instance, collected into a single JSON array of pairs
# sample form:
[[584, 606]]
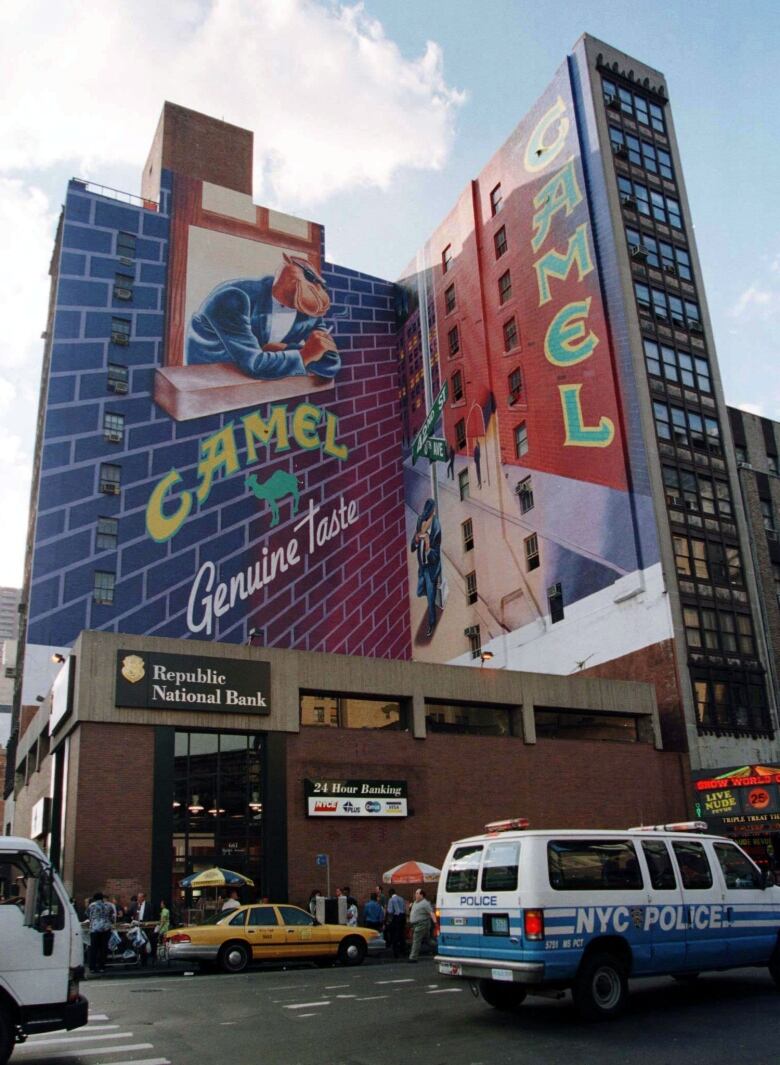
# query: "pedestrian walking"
[[373, 914], [421, 919], [101, 916], [396, 923]]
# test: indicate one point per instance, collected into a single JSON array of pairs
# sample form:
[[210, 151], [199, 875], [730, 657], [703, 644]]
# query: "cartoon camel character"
[[278, 485]]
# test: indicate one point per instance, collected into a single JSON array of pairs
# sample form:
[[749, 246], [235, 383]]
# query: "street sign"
[[322, 859], [429, 424], [434, 449]]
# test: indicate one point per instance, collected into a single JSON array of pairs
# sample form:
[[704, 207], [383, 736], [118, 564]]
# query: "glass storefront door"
[[217, 812]]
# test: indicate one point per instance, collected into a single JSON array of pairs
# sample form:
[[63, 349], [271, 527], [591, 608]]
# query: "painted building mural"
[[537, 555], [221, 451]]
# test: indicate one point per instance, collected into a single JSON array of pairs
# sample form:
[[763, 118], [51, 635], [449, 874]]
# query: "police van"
[[538, 911]]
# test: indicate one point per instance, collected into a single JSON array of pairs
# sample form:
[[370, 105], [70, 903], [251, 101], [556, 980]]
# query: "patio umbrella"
[[411, 873], [216, 877]]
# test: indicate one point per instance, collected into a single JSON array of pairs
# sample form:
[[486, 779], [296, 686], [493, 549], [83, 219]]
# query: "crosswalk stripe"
[[89, 1028], [143, 1061], [40, 1042], [36, 1049], [307, 1005], [444, 991]]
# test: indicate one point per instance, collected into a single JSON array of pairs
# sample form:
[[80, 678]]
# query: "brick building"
[[150, 784], [222, 462]]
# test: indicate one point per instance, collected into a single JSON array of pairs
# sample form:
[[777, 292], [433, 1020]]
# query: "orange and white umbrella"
[[411, 873]]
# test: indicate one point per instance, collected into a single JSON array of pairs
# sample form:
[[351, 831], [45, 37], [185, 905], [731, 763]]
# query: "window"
[[123, 286], [531, 545], [525, 494], [475, 641], [467, 532], [463, 484], [694, 868], [555, 602], [463, 868], [771, 464], [468, 719], [500, 867], [733, 702], [114, 427], [691, 557], [504, 287], [554, 722], [110, 478], [453, 339], [352, 712], [609, 90], [657, 118], [593, 865], [471, 588], [107, 534], [659, 864], [510, 334], [118, 378], [521, 440], [457, 386], [125, 245], [120, 331], [496, 200], [515, 383], [618, 142], [499, 241], [449, 299], [446, 258], [688, 428], [665, 164], [460, 434], [263, 917], [238, 921], [767, 514], [738, 871], [103, 590]]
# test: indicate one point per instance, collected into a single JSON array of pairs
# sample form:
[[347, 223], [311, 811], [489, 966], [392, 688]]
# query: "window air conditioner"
[[117, 386], [628, 202], [120, 338], [114, 435], [639, 251], [122, 293], [126, 260], [620, 151], [109, 488]]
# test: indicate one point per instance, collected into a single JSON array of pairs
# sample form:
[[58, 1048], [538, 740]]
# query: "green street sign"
[[428, 425], [434, 449]]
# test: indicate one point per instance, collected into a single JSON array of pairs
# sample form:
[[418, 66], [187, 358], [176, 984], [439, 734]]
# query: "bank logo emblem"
[[133, 668]]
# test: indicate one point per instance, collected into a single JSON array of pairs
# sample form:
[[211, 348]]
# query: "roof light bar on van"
[[677, 826], [512, 823]]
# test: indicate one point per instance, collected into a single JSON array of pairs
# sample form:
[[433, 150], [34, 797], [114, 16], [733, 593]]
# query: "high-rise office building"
[[584, 480]]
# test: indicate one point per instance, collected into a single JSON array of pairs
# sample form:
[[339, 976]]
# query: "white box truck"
[[41, 949]]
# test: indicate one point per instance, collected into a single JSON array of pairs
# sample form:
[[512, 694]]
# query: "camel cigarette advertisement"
[[184, 682], [355, 798]]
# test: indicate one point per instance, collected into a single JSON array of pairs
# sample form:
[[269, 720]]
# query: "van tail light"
[[533, 924], [178, 937]]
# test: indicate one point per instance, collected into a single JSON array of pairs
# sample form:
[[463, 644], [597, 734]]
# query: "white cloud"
[[332, 101], [761, 302]]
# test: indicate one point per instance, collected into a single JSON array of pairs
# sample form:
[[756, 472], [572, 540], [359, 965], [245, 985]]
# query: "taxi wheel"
[[502, 996], [774, 965], [233, 957], [601, 987], [352, 951]]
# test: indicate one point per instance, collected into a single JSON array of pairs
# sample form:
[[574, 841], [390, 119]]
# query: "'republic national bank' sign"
[[190, 682]]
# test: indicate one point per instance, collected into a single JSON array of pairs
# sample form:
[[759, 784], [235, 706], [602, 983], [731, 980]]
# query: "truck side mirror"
[[48, 943]]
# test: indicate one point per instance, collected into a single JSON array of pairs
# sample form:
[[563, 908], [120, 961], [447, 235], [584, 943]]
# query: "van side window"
[[499, 870], [738, 870], [694, 867], [593, 865], [659, 862], [462, 873]]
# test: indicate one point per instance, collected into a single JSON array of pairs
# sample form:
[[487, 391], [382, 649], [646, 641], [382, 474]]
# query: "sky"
[[370, 118]]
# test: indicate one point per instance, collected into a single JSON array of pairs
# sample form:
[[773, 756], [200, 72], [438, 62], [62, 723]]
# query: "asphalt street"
[[388, 1013]]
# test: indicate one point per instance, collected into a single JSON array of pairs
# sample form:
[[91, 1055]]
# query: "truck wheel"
[[352, 951], [7, 1035], [233, 958], [601, 987], [502, 996]]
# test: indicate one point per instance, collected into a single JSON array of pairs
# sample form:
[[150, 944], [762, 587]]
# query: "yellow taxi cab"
[[268, 932]]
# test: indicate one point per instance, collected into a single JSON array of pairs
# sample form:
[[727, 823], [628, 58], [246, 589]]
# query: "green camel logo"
[[278, 485]]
